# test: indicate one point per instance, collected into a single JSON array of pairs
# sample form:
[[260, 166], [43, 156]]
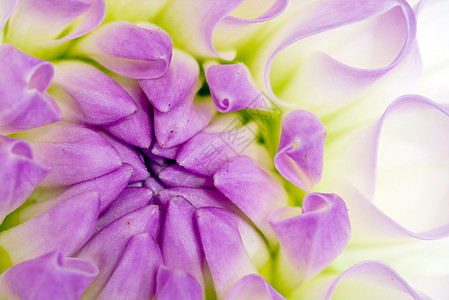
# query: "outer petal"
[[135, 274], [181, 245], [23, 82], [253, 286], [19, 174], [6, 9], [252, 190], [169, 90], [137, 130], [130, 199], [106, 247], [75, 153], [300, 155], [175, 284], [139, 52], [50, 276], [64, 228], [232, 88], [219, 229], [400, 161], [94, 98], [312, 240]]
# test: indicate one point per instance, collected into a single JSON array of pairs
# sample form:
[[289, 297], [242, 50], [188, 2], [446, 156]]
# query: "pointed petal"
[[154, 184], [23, 82], [300, 155], [135, 274], [19, 174], [93, 97], [181, 245], [137, 130], [48, 277], [105, 45], [182, 122], [312, 240], [169, 90], [177, 176], [253, 286], [131, 156], [197, 197], [130, 199], [75, 153], [106, 247], [218, 230], [64, 228], [232, 88], [252, 190], [169, 153], [175, 284], [6, 9]]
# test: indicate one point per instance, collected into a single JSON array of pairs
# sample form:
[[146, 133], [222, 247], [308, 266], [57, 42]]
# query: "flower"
[[205, 149]]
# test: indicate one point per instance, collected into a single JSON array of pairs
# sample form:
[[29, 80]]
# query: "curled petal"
[[300, 155], [19, 174], [177, 176], [373, 280], [175, 284], [134, 276], [48, 277], [252, 190], [105, 248], [232, 88], [93, 97], [182, 122], [250, 7], [129, 200], [6, 9], [136, 130], [181, 245], [75, 153], [23, 82], [134, 10], [64, 228], [220, 229], [169, 90], [130, 50], [312, 240], [253, 286]]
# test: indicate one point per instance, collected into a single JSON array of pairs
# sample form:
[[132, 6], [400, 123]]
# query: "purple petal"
[[7, 7], [106, 247], [312, 240], [175, 284], [273, 11], [50, 276], [93, 97], [136, 130], [300, 155], [253, 286], [252, 190], [19, 174], [197, 197], [23, 82], [129, 200], [130, 50], [219, 230], [169, 90], [130, 156], [182, 122], [372, 277], [154, 184], [181, 245], [177, 176], [64, 228], [205, 153], [75, 153], [232, 88], [135, 274], [169, 153]]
